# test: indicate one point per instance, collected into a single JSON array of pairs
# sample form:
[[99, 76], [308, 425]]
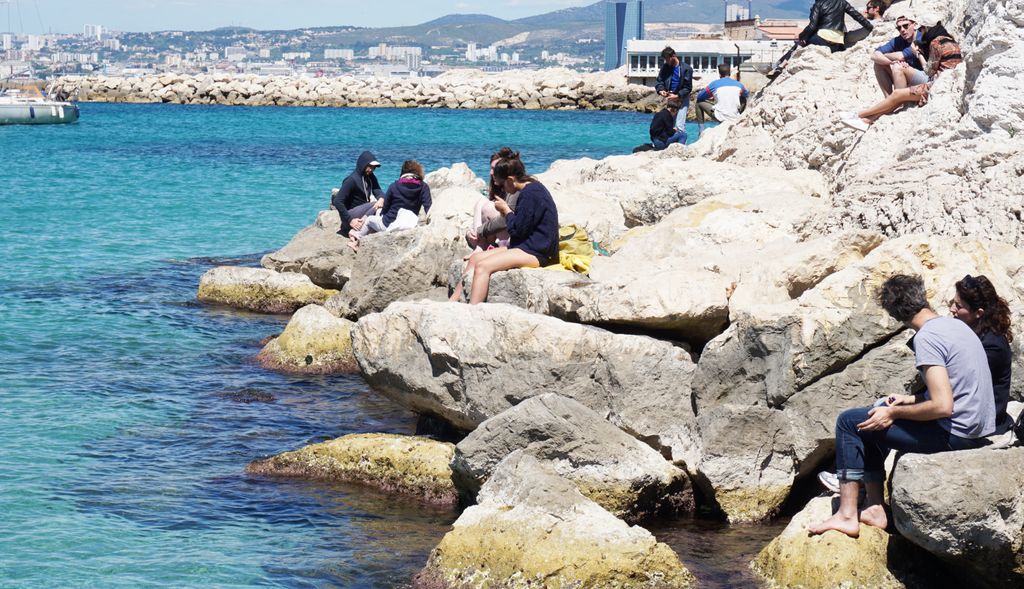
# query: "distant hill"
[[704, 11]]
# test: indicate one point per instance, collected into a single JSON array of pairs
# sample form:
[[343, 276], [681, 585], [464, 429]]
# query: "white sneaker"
[[845, 114], [829, 480], [856, 123]]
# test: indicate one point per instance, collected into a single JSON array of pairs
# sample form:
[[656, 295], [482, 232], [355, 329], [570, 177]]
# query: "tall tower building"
[[623, 21]]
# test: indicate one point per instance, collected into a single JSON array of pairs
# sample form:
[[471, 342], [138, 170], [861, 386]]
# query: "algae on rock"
[[409, 465]]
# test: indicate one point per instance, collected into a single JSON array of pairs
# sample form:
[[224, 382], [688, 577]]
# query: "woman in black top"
[[977, 304], [532, 228]]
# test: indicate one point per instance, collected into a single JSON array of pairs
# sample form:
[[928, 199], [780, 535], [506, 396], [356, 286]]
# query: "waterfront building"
[[623, 22], [235, 53], [643, 58]]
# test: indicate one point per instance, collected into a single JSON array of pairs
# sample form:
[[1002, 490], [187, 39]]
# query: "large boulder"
[[617, 471], [468, 363], [402, 464], [317, 251], [787, 369], [533, 528], [833, 560], [396, 265], [260, 290], [313, 342], [967, 508]]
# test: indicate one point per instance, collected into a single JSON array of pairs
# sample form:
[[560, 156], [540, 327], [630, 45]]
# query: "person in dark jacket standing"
[[357, 193], [410, 193], [675, 79], [532, 228], [663, 129], [827, 24]]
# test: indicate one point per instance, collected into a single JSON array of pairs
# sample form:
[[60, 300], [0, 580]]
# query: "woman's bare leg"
[[887, 105], [498, 261], [471, 263]]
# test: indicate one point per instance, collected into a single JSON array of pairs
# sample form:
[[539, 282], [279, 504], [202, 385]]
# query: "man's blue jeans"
[[679, 137], [860, 455], [684, 110]]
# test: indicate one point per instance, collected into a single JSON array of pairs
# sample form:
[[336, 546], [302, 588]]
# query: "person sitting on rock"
[[827, 24], [977, 304], [410, 193], [488, 228], [896, 63], [663, 127], [532, 228], [874, 11], [937, 49], [675, 80], [355, 198], [722, 100], [954, 413]]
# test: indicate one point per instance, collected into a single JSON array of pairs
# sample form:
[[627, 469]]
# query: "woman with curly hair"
[[977, 304]]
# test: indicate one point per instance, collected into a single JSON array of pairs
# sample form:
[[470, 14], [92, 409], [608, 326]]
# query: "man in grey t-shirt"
[[954, 413]]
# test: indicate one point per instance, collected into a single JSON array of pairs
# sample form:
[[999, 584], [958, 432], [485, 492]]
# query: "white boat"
[[18, 108]]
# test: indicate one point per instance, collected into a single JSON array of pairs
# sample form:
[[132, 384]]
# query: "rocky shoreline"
[[549, 89], [702, 364]]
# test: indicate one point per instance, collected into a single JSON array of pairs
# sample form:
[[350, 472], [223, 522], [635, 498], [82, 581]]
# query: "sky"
[[69, 16]]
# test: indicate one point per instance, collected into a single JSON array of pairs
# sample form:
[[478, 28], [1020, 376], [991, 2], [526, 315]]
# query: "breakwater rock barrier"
[[551, 89]]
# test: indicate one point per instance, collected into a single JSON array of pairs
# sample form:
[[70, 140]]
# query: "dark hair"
[[977, 292], [412, 167], [667, 53], [675, 103], [512, 168], [505, 153], [724, 70], [877, 4], [903, 296]]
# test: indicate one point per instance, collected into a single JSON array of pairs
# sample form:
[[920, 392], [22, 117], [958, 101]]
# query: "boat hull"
[[38, 114]]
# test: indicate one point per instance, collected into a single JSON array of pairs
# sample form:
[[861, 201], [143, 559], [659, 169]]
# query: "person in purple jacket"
[[532, 229]]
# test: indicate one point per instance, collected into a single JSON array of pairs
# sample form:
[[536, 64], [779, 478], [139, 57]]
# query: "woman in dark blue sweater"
[[532, 228]]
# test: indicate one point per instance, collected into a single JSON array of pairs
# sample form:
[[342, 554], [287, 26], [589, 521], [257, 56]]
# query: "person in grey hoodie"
[[357, 193]]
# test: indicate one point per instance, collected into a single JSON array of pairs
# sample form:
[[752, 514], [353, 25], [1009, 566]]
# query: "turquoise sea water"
[[129, 411]]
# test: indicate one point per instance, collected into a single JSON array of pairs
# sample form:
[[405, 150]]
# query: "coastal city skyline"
[[65, 16]]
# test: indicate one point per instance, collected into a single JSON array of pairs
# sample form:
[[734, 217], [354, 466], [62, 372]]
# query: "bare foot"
[[850, 527], [354, 245], [868, 121], [874, 516]]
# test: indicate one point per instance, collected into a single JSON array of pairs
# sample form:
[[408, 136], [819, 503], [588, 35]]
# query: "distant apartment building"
[[346, 54], [624, 21], [735, 12], [383, 51], [94, 32], [264, 53], [7, 41], [35, 43], [486, 54], [703, 55], [294, 55], [235, 53], [112, 44]]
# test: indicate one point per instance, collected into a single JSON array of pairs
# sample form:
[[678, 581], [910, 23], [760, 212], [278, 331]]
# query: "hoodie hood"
[[364, 160]]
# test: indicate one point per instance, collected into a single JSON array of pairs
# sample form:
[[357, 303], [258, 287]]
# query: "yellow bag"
[[575, 250]]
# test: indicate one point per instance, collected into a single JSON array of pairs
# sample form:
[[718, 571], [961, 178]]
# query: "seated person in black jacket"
[[827, 24], [356, 196], [532, 228], [663, 126], [410, 193]]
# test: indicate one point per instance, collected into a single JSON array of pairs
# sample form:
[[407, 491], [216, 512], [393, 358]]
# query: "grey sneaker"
[[829, 480]]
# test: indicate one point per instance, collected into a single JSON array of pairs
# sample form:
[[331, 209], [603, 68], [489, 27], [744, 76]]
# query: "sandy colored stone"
[[313, 342], [533, 529], [409, 465], [260, 290], [831, 560]]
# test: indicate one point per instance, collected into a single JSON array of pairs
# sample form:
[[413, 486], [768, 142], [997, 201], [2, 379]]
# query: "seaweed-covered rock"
[[533, 528], [403, 464], [260, 290], [831, 560], [617, 471], [313, 342]]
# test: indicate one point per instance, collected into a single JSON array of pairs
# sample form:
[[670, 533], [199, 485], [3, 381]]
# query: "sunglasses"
[[903, 26]]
